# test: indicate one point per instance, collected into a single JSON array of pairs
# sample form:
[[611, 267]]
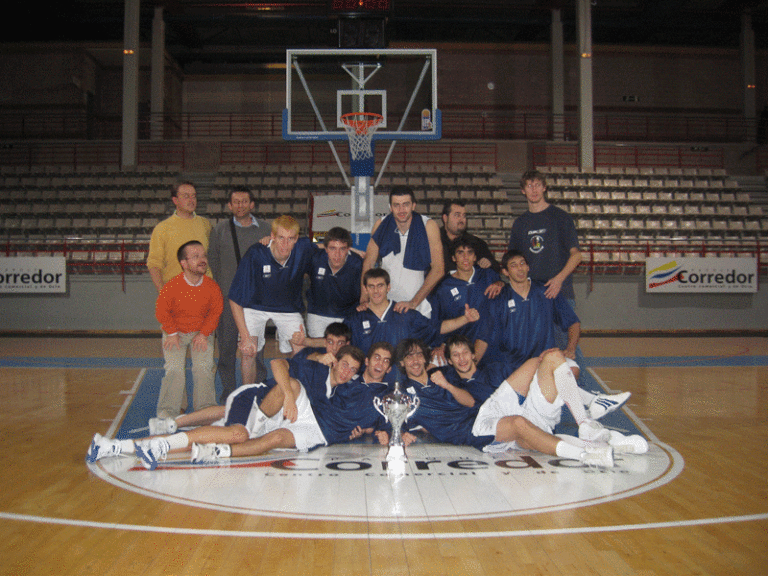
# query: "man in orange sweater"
[[188, 309]]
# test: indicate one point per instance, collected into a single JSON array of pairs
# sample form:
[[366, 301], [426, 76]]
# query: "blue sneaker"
[[102, 448], [151, 451]]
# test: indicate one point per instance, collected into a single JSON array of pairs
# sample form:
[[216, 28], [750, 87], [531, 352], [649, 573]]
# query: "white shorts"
[[405, 283], [306, 431], [286, 322], [505, 402], [246, 393], [316, 324]]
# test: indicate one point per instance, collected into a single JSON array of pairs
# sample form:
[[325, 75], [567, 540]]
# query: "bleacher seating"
[[691, 203], [612, 206]]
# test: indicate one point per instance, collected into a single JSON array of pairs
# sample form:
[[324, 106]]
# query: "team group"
[[490, 348]]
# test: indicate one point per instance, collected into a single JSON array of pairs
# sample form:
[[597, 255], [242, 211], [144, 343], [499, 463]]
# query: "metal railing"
[[457, 123]]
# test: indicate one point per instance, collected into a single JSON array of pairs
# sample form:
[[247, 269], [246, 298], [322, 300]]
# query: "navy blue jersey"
[[520, 328], [339, 409], [367, 328], [442, 416], [304, 352], [334, 295], [451, 295], [484, 381], [261, 283], [353, 405], [244, 398], [546, 239]]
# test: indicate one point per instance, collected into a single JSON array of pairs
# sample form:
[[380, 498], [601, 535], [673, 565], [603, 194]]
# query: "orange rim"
[[361, 121]]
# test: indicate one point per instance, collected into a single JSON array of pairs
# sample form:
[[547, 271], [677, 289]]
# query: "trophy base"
[[396, 453]]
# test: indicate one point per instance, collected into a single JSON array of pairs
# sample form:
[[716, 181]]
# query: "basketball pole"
[[361, 209]]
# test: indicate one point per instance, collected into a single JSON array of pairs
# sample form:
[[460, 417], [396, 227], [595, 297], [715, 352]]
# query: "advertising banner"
[[33, 275], [334, 210], [689, 275]]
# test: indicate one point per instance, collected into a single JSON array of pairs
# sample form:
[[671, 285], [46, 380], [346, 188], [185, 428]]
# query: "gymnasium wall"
[[610, 304], [663, 80]]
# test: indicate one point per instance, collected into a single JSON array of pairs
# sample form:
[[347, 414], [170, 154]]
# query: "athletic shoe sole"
[[605, 404], [147, 458]]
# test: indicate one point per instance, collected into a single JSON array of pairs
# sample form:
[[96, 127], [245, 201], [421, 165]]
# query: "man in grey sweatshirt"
[[229, 240]]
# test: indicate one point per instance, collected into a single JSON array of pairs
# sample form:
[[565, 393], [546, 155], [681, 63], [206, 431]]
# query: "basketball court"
[[697, 503]]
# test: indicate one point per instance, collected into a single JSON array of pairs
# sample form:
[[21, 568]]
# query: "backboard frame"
[[329, 128]]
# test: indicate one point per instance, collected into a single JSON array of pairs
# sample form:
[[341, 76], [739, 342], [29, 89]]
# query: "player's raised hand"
[[298, 337], [438, 379], [471, 314], [494, 290]]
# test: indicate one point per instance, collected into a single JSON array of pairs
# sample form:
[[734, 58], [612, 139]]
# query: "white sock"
[[568, 390], [567, 450], [178, 441], [127, 447], [586, 396]]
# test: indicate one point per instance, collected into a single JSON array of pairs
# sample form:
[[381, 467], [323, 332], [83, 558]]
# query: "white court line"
[[129, 396], [677, 467], [631, 415], [397, 536]]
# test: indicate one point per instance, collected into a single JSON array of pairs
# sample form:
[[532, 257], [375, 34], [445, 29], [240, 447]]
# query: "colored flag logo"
[[664, 274]]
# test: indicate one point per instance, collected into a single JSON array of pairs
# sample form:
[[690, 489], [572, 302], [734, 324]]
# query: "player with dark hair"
[[409, 248], [521, 321], [380, 320], [336, 335], [466, 285], [454, 217], [334, 282], [307, 404], [523, 410]]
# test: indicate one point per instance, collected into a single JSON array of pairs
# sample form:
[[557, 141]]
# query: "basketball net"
[[360, 127]]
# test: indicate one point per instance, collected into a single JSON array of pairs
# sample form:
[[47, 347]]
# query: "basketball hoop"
[[360, 127]]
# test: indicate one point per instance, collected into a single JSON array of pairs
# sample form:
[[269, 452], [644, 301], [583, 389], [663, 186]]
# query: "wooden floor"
[[56, 517]]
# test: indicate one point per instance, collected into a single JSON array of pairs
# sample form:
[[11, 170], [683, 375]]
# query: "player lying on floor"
[[308, 405], [524, 409], [481, 381]]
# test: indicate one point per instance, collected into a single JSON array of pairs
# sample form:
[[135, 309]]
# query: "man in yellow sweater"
[[183, 225], [188, 309]]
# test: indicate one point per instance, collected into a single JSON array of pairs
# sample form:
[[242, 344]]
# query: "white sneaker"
[[152, 451], [603, 404], [209, 453], [592, 431], [102, 447], [158, 426], [600, 456], [633, 444]]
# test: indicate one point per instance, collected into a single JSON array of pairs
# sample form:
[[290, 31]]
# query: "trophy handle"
[[414, 405], [377, 405]]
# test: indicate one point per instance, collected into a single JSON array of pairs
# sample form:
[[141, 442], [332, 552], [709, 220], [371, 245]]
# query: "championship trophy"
[[396, 407]]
